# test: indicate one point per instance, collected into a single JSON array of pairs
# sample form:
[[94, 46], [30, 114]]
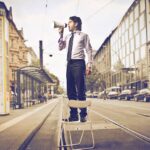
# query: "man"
[[76, 43]]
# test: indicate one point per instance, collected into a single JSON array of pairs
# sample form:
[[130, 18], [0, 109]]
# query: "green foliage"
[[57, 88], [36, 63], [94, 81]]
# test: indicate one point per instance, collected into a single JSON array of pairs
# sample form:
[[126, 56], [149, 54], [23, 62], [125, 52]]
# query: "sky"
[[99, 18]]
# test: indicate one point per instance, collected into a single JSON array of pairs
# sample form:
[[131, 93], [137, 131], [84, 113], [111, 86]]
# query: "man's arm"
[[88, 48], [61, 44], [61, 41]]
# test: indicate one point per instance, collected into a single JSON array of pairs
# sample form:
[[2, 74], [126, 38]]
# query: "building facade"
[[18, 51], [32, 57], [4, 62], [130, 48], [102, 62]]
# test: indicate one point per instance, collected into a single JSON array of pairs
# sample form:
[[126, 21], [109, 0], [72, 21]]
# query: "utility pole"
[[41, 53]]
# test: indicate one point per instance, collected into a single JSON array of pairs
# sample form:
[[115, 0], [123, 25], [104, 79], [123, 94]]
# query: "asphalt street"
[[117, 125]]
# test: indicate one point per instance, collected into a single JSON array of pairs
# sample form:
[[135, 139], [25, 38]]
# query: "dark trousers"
[[76, 84]]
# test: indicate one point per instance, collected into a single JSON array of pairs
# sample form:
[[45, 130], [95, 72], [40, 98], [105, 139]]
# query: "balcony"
[[13, 35], [15, 65], [14, 49]]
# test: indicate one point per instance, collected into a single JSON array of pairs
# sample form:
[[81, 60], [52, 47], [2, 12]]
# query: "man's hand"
[[88, 71], [61, 31]]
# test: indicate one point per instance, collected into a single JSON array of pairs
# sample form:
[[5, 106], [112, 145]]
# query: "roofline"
[[128, 10], [134, 2], [2, 5], [105, 41]]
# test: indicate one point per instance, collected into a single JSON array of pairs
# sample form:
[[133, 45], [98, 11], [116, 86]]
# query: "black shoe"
[[83, 119], [71, 119]]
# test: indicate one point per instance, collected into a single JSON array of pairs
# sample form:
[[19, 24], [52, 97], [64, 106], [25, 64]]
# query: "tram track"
[[124, 128], [29, 139]]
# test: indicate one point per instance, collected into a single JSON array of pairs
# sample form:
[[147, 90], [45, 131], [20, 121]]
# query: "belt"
[[76, 60]]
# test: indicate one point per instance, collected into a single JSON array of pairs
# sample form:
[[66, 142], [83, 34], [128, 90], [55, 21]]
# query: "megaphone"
[[59, 25]]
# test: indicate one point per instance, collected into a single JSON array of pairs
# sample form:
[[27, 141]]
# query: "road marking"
[[130, 131], [16, 120], [126, 106], [133, 107]]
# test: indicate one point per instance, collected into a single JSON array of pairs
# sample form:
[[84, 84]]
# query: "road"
[[118, 125]]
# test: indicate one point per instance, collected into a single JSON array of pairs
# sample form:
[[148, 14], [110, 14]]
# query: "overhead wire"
[[77, 6], [100, 9]]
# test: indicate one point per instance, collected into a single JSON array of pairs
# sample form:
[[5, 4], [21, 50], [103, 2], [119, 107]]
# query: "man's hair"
[[78, 21]]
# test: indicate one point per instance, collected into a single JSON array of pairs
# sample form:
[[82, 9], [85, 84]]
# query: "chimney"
[[10, 13]]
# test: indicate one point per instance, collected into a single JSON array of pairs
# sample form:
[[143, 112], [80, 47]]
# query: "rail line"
[[28, 140], [126, 129]]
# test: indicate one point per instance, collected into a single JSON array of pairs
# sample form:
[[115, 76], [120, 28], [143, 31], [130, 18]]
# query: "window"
[[113, 60], [120, 43], [13, 74], [23, 55], [142, 21], [135, 27], [136, 12], [12, 43], [124, 62], [131, 17], [128, 61], [127, 48], [143, 36], [119, 31], [126, 36], [131, 59], [12, 58], [132, 44], [137, 55], [127, 22], [123, 27], [123, 51], [137, 41], [112, 40], [116, 45], [123, 40], [142, 5], [143, 52], [131, 32], [117, 34]]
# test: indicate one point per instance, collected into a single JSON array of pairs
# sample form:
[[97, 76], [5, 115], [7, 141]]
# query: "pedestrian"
[[76, 43]]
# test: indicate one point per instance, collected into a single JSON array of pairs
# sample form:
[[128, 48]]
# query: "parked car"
[[103, 94], [95, 94], [127, 94], [143, 94], [89, 94], [147, 98], [112, 95]]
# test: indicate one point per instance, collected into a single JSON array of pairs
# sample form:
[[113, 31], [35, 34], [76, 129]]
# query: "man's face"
[[71, 25]]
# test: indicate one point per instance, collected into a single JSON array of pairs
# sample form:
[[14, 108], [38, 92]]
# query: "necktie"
[[70, 47]]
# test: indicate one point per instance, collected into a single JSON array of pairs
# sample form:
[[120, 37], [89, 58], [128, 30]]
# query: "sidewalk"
[[18, 112], [22, 125]]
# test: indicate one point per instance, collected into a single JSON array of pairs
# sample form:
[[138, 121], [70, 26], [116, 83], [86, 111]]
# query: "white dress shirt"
[[81, 42]]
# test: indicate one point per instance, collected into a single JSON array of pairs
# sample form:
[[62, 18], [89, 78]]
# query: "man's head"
[[74, 23]]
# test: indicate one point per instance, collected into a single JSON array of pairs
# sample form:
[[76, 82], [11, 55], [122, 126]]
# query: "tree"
[[95, 81], [36, 62], [57, 89]]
